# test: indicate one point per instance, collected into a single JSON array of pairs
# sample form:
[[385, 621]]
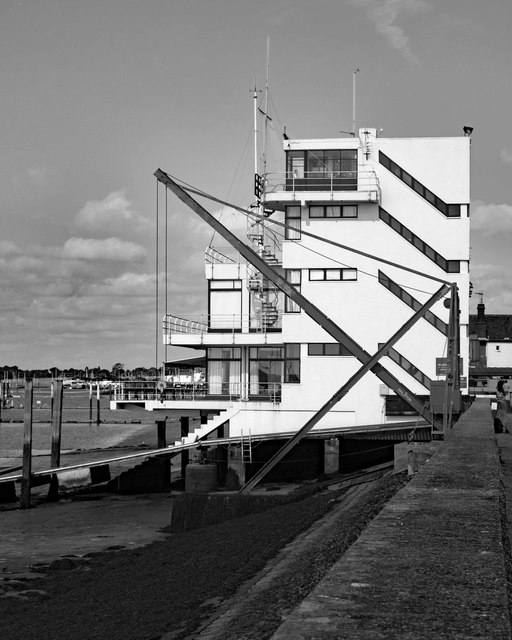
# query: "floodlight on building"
[[468, 131]]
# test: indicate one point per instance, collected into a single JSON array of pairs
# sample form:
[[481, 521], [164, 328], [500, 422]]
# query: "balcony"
[[343, 186], [213, 390], [263, 327]]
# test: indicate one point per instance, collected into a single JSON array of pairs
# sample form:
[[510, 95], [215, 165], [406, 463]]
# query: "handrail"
[[366, 181], [206, 390], [213, 256], [259, 322]]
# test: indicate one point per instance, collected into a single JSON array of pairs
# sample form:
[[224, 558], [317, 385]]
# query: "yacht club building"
[[389, 203]]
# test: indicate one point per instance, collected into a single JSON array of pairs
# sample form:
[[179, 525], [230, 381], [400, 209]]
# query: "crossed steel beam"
[[369, 362]]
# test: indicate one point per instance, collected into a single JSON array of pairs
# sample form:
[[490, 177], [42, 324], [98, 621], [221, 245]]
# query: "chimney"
[[481, 324]]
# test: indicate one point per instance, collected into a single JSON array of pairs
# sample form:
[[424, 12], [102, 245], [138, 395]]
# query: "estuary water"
[[119, 432]]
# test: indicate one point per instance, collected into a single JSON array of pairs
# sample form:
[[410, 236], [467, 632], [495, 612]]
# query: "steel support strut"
[[288, 289], [342, 391]]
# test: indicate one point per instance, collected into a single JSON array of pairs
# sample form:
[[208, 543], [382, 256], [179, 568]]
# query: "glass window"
[[350, 211], [327, 349], [293, 222], [316, 212], [315, 349], [294, 277], [453, 266], [316, 274], [225, 284], [331, 349], [407, 178], [349, 274], [454, 211], [292, 363], [332, 211], [295, 164], [333, 274], [223, 371]]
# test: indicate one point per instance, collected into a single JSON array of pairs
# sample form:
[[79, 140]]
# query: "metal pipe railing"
[[260, 322]]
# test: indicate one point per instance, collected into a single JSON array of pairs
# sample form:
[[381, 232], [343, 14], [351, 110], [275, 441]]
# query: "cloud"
[[8, 248], [384, 14], [506, 155], [109, 249], [112, 214], [491, 219]]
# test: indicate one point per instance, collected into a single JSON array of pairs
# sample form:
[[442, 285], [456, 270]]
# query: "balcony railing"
[[261, 322], [210, 390], [365, 181]]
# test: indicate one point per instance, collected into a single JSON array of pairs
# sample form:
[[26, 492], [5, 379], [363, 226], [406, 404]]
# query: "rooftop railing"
[[260, 322], [365, 181]]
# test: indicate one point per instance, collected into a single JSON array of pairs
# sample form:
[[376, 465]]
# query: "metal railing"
[[259, 322], [210, 390], [213, 256], [366, 181]]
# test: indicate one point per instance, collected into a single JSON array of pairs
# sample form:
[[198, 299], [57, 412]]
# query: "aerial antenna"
[[354, 102], [266, 110]]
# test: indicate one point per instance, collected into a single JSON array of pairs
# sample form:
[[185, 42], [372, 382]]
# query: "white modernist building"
[[269, 365]]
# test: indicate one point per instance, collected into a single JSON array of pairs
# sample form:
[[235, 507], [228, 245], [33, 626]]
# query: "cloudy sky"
[[97, 95]]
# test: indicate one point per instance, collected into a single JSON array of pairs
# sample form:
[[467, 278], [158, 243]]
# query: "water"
[[125, 431]]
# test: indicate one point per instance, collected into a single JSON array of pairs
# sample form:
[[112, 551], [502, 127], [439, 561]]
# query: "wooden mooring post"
[[98, 420], [90, 402], [161, 437], [57, 393], [185, 427], [26, 480]]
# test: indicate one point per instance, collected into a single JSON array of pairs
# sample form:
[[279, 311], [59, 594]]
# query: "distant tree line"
[[117, 372]]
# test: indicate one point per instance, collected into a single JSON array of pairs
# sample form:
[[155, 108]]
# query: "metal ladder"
[[246, 447]]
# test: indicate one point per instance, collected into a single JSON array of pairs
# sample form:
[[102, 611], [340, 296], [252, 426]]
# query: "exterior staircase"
[[205, 429]]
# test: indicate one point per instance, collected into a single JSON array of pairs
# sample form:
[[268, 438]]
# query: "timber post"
[[57, 393], [184, 422], [161, 426], [98, 420], [90, 402], [26, 480]]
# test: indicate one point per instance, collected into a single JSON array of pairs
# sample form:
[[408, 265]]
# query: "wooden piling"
[[26, 480], [184, 422], [53, 491], [160, 433], [98, 420], [90, 402]]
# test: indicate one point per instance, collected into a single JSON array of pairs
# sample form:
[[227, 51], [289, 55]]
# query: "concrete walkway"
[[435, 561], [64, 528]]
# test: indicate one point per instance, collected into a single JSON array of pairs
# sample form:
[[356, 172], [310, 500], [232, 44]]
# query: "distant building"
[[490, 340]]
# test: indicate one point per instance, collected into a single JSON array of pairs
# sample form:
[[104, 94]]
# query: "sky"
[[97, 95]]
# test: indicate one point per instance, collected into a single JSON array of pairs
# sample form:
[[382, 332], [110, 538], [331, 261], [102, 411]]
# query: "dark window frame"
[[324, 215], [341, 271], [448, 210], [324, 346]]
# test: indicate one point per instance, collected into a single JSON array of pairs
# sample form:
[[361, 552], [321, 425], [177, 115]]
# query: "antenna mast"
[[354, 102]]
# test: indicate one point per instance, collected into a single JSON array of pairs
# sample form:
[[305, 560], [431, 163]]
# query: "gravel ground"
[[178, 588]]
